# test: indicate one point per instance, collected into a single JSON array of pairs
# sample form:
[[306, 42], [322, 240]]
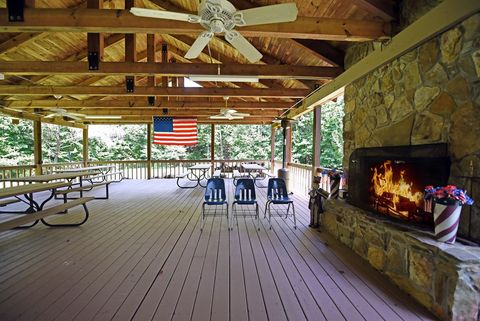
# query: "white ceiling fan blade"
[[51, 115], [160, 14], [73, 117], [75, 114], [242, 45], [199, 44], [218, 117], [284, 12], [241, 114]]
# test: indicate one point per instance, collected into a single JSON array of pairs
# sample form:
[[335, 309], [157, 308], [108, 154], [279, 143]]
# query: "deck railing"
[[300, 174]]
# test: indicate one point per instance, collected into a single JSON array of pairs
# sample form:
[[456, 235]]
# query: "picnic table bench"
[[35, 212]]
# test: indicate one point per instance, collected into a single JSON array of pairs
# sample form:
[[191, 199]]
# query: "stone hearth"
[[444, 278]]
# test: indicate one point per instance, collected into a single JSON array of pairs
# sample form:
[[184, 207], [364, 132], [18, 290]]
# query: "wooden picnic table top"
[[82, 169], [200, 166], [30, 188], [48, 177], [252, 167]]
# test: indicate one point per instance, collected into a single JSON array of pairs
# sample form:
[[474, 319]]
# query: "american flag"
[[174, 131]]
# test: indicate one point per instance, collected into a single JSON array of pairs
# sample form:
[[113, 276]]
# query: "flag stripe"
[[175, 131]]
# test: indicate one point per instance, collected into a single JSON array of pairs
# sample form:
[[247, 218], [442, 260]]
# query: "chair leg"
[[265, 212], [230, 217], [288, 210], [203, 217], [269, 215], [257, 217], [294, 218]]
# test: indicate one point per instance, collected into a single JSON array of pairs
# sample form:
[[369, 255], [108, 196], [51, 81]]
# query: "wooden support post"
[[164, 60], [95, 41], [149, 150], [130, 50], [272, 149], [85, 146], [151, 50], [212, 147], [288, 147], [37, 146], [317, 139]]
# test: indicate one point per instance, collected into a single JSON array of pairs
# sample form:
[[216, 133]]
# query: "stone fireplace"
[[389, 181], [430, 95]]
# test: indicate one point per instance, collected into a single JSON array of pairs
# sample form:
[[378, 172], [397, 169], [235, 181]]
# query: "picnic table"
[[69, 177], [196, 173], [102, 170], [255, 171], [35, 212]]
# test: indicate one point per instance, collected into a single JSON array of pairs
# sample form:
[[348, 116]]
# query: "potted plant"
[[447, 201]]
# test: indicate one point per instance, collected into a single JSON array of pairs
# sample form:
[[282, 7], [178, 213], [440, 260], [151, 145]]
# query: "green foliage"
[[122, 142], [16, 142], [332, 134], [61, 144], [242, 142]]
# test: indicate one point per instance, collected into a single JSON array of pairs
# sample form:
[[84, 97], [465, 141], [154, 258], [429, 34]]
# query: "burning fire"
[[384, 184]]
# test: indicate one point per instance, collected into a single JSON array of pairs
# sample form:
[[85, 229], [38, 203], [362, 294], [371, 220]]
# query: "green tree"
[[61, 144], [16, 142]]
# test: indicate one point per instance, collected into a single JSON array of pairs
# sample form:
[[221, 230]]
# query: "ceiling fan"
[[220, 16], [230, 114], [60, 112]]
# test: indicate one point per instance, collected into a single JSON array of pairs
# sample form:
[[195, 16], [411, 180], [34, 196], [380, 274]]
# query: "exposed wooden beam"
[[130, 45], [434, 22], [141, 103], [139, 121], [179, 69], [328, 52], [151, 91], [171, 112], [17, 40], [384, 9], [122, 21], [34, 117], [95, 40]]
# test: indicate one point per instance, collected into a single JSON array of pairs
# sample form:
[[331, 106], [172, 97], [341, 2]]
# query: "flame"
[[383, 182]]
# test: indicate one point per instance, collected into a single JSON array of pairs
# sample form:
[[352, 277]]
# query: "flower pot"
[[334, 187], [446, 218]]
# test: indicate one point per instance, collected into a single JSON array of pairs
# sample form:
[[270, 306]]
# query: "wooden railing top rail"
[[13, 167]]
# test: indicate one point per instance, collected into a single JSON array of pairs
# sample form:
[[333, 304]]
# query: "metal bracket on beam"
[[93, 60], [15, 10], [151, 100], [164, 49], [130, 84]]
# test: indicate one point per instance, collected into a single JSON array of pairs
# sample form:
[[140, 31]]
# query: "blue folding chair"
[[245, 195], [215, 195], [277, 194]]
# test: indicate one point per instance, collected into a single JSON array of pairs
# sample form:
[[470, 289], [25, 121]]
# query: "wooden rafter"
[[385, 9], [179, 69], [122, 21], [151, 91]]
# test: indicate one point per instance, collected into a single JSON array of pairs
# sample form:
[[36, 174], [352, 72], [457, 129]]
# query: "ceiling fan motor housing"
[[217, 15]]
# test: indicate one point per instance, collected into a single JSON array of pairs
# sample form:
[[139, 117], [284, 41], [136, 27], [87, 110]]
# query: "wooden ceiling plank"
[[383, 9], [122, 21], [329, 53], [179, 69], [151, 91]]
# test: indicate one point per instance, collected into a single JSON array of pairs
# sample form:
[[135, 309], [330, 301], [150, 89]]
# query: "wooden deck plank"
[[95, 291], [139, 258], [155, 278], [255, 297], [238, 295], [185, 278], [202, 269], [273, 303], [202, 305], [221, 303], [89, 266]]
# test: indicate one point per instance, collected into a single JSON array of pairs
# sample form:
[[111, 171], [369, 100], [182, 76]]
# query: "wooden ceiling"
[[45, 59]]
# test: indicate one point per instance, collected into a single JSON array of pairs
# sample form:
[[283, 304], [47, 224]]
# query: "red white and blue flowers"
[[447, 195]]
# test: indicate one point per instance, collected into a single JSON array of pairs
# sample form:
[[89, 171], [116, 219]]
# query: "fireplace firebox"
[[389, 181]]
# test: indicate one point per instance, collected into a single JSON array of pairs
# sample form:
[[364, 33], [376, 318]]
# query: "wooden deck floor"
[[142, 256]]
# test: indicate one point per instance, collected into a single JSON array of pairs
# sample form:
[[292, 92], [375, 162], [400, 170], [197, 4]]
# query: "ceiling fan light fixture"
[[225, 78]]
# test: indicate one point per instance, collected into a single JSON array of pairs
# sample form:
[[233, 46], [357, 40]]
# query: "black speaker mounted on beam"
[[15, 10]]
